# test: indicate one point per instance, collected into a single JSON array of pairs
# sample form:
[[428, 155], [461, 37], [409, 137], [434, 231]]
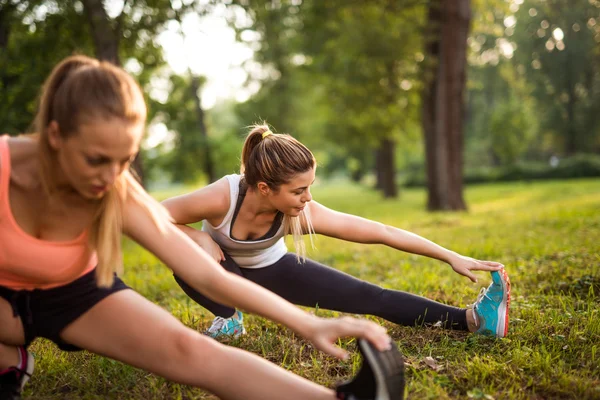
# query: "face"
[[91, 159], [293, 196]]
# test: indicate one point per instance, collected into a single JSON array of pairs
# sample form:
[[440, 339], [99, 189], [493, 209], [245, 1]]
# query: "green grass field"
[[547, 234]]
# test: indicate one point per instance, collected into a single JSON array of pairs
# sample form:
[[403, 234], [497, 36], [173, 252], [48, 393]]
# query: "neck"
[[257, 204]]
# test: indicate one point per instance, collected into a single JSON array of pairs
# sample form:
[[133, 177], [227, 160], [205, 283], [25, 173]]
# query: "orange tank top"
[[28, 263]]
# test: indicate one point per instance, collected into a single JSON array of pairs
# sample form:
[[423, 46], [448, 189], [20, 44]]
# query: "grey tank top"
[[259, 253]]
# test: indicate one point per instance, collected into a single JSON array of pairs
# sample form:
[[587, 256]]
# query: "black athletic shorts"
[[46, 312]]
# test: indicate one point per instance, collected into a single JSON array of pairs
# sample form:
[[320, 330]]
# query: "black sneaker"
[[13, 379], [381, 375]]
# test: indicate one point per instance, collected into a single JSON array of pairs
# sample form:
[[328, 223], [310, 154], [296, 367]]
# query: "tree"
[[26, 28], [188, 120], [557, 47], [366, 55], [179, 114], [73, 27], [443, 105], [341, 73], [142, 20]]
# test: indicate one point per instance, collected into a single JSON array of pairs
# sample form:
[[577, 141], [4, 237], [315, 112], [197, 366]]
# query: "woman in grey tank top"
[[245, 216]]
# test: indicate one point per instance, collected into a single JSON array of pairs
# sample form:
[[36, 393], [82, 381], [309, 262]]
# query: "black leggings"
[[312, 284]]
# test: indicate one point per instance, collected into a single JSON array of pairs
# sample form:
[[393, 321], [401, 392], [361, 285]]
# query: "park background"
[[473, 123]]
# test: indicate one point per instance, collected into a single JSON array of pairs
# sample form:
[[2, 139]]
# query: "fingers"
[[469, 275], [332, 329], [484, 267], [333, 350], [491, 263], [479, 265], [371, 331]]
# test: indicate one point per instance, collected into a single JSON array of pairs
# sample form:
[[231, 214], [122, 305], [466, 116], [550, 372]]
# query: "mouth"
[[98, 189]]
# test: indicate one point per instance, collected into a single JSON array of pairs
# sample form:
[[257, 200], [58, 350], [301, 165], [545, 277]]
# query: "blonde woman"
[[246, 216], [66, 196]]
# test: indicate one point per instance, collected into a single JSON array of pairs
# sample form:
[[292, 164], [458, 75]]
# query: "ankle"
[[472, 320]]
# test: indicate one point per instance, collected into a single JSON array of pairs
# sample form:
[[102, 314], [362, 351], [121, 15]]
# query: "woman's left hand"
[[464, 265]]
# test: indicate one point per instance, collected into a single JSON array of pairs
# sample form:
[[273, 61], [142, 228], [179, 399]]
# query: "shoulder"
[[209, 202], [23, 152], [22, 147], [221, 190]]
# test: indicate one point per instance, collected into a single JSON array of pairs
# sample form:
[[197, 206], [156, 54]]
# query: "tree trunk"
[[208, 164], [5, 16], [378, 169], [106, 34], [443, 102], [572, 145], [386, 168], [386, 153]]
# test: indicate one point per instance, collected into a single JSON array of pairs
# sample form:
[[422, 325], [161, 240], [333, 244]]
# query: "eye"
[[127, 161], [94, 161]]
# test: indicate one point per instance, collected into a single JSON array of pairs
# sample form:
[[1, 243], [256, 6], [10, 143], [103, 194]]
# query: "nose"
[[111, 173], [308, 196]]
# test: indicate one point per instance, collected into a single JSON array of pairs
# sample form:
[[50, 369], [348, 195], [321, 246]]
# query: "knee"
[[194, 356], [188, 344]]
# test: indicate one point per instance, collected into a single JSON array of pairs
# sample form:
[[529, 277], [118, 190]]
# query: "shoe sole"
[[503, 309], [388, 369]]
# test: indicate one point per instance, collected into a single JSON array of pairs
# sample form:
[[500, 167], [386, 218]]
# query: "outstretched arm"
[[361, 230], [201, 272]]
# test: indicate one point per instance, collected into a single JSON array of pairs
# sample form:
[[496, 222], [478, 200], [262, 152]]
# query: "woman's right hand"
[[204, 240], [324, 332]]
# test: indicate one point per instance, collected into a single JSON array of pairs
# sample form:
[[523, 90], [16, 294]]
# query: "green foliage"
[[548, 240], [37, 40], [577, 166], [533, 81], [340, 76], [511, 131], [182, 159], [338, 73]]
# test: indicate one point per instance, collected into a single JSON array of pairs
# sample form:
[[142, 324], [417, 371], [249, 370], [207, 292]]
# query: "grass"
[[547, 234]]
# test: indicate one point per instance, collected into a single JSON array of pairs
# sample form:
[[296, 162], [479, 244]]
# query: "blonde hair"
[[82, 89], [275, 159]]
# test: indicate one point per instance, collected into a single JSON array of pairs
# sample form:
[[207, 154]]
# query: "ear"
[[54, 137], [263, 188]]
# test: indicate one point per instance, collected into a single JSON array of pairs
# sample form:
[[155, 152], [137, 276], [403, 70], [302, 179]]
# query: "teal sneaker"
[[231, 327], [491, 307]]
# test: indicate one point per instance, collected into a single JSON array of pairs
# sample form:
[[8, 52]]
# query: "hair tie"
[[266, 133]]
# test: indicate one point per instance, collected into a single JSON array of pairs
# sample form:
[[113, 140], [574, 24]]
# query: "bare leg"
[[11, 335], [127, 327]]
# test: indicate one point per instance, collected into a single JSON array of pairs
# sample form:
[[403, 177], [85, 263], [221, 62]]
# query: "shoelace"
[[217, 325], [482, 293]]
